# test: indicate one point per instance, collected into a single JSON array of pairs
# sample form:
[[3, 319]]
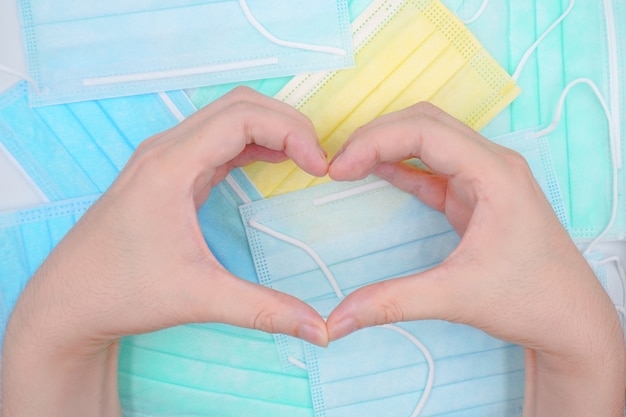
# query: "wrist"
[[576, 385], [63, 382], [48, 357]]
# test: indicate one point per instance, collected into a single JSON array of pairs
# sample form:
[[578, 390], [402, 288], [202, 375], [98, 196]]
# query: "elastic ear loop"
[[290, 44], [339, 293], [476, 15], [615, 157], [533, 47], [20, 75]]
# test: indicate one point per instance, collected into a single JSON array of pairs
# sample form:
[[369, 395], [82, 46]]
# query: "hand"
[[137, 261], [515, 274]]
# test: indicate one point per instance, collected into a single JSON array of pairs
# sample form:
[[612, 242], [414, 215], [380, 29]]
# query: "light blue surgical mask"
[[78, 149], [193, 370], [321, 243], [96, 50], [270, 87]]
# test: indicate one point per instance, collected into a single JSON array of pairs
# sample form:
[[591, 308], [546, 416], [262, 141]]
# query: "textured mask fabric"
[[321, 243], [204, 95], [94, 50], [194, 370], [548, 48], [78, 149], [376, 371], [406, 51]]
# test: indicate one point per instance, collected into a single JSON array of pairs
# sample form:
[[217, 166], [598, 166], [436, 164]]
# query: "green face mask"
[[565, 57]]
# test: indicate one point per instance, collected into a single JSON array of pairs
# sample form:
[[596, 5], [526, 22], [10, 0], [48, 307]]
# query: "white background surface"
[[16, 189]]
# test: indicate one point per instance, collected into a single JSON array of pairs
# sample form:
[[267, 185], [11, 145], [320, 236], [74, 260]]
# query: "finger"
[[445, 147], [230, 131], [246, 94], [428, 187], [241, 303], [428, 295]]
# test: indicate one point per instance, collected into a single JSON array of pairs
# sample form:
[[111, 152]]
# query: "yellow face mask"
[[406, 51]]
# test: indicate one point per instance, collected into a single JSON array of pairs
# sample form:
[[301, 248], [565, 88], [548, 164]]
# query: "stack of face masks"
[[321, 243], [98, 50], [406, 51], [434, 367]]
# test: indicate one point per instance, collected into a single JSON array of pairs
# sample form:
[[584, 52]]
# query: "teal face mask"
[[548, 50], [321, 243], [193, 370], [96, 50]]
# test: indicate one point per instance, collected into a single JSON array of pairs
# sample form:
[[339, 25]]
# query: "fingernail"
[[338, 156], [323, 153], [313, 334], [343, 328]]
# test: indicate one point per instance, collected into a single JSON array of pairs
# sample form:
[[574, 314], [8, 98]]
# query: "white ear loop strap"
[[534, 46], [476, 15], [21, 75], [291, 44], [339, 293]]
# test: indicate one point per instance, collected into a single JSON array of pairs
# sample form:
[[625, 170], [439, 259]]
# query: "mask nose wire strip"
[[20, 75], [476, 15], [333, 283], [534, 46], [291, 44], [615, 161]]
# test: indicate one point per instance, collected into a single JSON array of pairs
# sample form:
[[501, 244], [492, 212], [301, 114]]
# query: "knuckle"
[[265, 321], [388, 309], [426, 108], [241, 92]]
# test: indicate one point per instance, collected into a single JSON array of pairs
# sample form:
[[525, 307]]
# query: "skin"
[[137, 262], [516, 273]]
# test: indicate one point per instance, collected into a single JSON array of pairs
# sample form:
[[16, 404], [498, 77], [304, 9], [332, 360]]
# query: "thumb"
[[427, 295], [245, 304]]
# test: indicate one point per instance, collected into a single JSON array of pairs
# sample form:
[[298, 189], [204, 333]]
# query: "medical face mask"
[[78, 149], [96, 50], [565, 56], [270, 87], [193, 370], [406, 51], [321, 243]]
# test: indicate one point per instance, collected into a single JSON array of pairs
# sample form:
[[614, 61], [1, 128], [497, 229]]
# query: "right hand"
[[516, 274]]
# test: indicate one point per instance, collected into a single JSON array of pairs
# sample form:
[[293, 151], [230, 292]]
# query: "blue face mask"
[[97, 50], [78, 149], [189, 370], [321, 243]]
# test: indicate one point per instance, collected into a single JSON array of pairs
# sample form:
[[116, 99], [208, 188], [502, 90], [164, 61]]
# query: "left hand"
[[137, 261]]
